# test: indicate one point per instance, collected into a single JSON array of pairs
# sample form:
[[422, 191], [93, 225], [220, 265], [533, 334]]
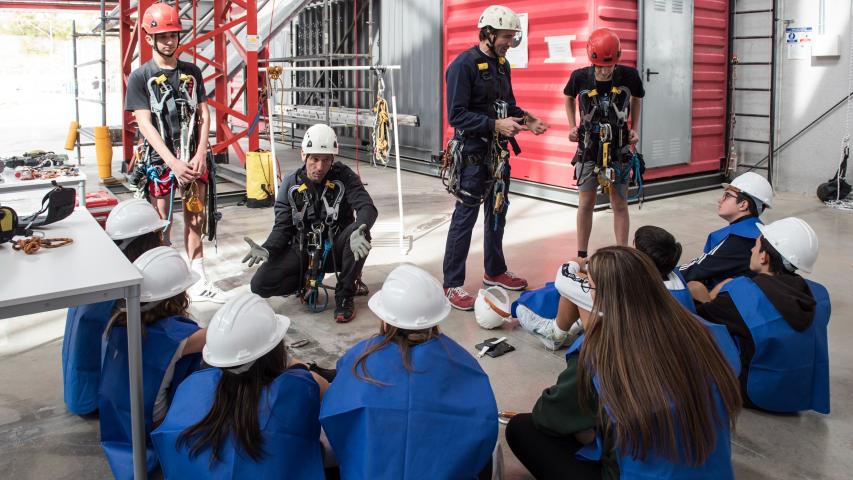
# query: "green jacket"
[[559, 413]]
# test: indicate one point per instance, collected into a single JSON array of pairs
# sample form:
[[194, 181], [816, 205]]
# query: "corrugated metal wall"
[[538, 88], [411, 37]]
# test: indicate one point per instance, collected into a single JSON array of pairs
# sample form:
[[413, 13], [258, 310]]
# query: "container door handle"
[[649, 74]]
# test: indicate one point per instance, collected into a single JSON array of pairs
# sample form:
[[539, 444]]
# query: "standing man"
[[323, 217], [610, 100], [481, 108], [168, 99]]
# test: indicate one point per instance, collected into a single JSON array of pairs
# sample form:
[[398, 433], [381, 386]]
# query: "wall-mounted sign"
[[518, 56], [798, 40], [560, 49]]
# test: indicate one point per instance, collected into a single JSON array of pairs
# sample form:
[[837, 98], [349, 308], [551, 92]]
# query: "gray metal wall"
[[411, 36]]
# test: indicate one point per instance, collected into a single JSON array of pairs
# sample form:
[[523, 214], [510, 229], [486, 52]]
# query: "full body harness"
[[496, 159], [605, 116], [315, 239], [176, 118]]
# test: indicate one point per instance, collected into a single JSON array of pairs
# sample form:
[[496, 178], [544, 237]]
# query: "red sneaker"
[[459, 298], [507, 280]]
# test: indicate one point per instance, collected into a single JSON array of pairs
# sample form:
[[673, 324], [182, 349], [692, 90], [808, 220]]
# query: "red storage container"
[[100, 204]]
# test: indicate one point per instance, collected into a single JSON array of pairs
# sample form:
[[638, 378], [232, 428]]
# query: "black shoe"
[[360, 289], [344, 310]]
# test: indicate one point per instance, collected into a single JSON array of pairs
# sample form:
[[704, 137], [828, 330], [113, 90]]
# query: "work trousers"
[[475, 180], [547, 457], [284, 273]]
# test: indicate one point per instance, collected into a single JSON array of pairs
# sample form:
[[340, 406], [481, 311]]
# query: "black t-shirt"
[[137, 84], [584, 79]]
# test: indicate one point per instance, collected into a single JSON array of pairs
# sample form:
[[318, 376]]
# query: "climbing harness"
[[381, 125], [605, 116], [316, 237]]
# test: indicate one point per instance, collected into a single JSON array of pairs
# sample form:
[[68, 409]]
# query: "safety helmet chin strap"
[[490, 40]]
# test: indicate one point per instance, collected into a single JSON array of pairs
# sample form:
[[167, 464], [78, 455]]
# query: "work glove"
[[358, 243], [257, 254]]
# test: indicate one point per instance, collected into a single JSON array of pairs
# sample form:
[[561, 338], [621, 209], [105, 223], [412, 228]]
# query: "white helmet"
[[132, 218], [755, 186], [164, 274], [795, 241], [320, 139], [411, 299], [243, 330], [501, 18], [492, 309]]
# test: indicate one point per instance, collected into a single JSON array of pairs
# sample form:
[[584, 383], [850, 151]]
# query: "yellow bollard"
[[71, 138], [104, 152]]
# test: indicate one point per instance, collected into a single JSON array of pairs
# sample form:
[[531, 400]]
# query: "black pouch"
[[58, 203], [494, 351]]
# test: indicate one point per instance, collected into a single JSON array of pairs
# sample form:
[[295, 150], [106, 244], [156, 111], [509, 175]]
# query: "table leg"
[[81, 191], [134, 349]]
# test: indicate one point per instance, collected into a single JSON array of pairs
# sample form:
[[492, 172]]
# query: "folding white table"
[[12, 184], [90, 270]]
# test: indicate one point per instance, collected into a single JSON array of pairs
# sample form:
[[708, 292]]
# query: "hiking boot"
[[344, 310], [459, 298], [507, 280]]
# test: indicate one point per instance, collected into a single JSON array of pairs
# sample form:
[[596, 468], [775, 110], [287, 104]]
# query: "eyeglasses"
[[584, 283], [728, 194]]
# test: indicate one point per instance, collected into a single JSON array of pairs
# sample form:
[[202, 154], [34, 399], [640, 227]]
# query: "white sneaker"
[[207, 292], [542, 328]]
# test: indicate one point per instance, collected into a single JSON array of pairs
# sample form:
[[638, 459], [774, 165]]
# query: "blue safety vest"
[[718, 466], [682, 293], [159, 345], [746, 228], [789, 371], [288, 417], [81, 355], [437, 421]]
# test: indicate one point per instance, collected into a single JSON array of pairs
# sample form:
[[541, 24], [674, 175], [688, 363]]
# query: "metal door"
[[667, 72]]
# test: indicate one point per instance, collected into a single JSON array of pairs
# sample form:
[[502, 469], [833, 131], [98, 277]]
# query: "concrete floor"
[[39, 439]]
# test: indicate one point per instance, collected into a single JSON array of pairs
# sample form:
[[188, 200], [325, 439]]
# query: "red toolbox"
[[100, 204]]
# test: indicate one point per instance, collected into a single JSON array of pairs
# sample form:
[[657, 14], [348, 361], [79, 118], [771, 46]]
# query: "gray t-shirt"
[[137, 84]]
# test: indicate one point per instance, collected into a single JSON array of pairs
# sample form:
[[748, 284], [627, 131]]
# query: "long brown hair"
[[234, 412], [169, 307], [658, 369], [405, 339]]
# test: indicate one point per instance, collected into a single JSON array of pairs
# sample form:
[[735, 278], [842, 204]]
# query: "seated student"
[[649, 391], [135, 227], [256, 415], [410, 402], [726, 252], [170, 351], [779, 321], [552, 311]]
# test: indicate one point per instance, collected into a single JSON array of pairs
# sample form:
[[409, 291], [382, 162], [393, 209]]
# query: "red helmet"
[[603, 48], [161, 18]]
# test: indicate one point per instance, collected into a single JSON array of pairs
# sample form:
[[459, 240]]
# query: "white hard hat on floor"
[[132, 218], [492, 307], [795, 241], [320, 139], [164, 274], [411, 299], [243, 330], [755, 186]]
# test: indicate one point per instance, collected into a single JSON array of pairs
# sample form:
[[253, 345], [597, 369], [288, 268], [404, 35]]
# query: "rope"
[[381, 147], [357, 75], [31, 245], [845, 141]]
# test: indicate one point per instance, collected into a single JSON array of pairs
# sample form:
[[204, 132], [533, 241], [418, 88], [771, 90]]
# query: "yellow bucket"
[[71, 138], [104, 151]]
